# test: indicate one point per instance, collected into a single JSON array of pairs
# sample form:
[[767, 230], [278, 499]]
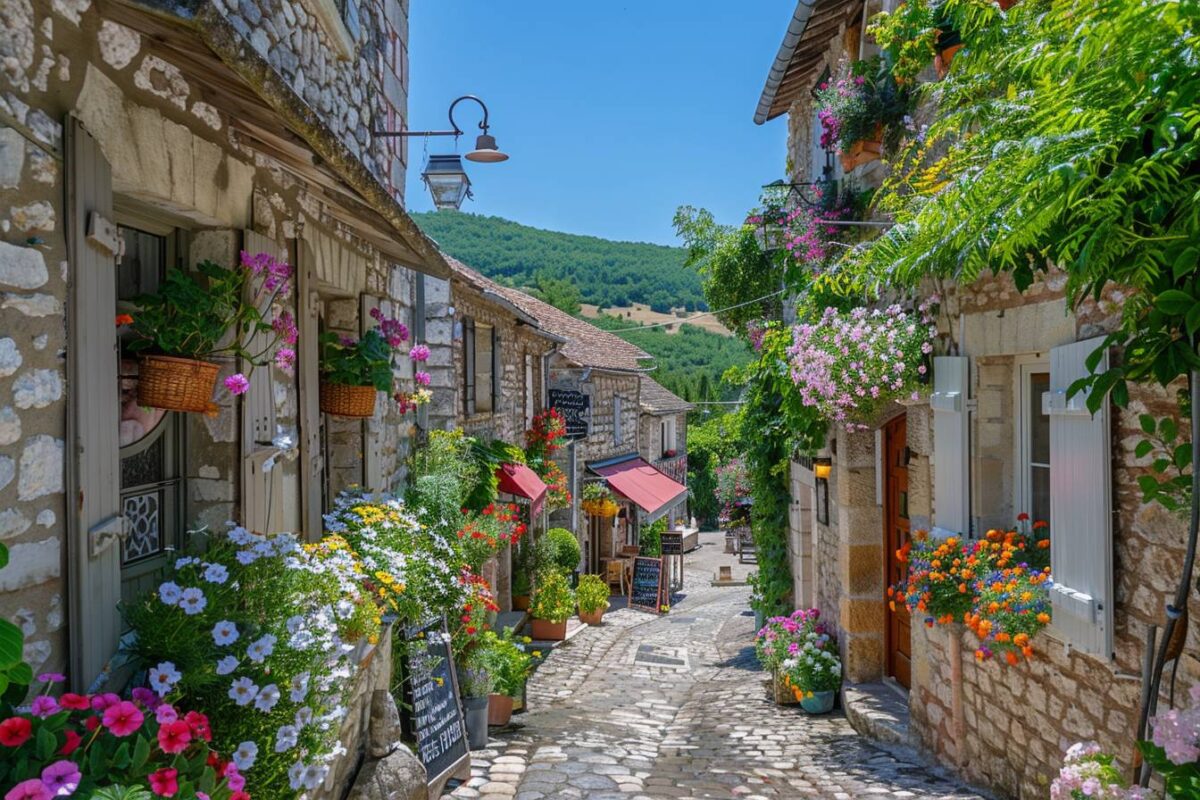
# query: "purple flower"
[[43, 706], [419, 352], [147, 698], [285, 327], [285, 359], [61, 778], [51, 677], [237, 383], [422, 378]]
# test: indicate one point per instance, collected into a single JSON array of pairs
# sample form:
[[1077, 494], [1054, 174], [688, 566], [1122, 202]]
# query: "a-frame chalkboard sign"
[[431, 711], [646, 588]]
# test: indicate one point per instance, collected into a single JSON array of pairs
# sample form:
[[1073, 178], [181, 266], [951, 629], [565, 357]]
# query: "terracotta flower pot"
[[500, 709], [176, 384], [591, 617], [547, 631], [864, 151], [942, 60], [520, 602]]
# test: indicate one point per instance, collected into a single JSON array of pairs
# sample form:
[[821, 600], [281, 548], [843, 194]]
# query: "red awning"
[[520, 480], [636, 480]]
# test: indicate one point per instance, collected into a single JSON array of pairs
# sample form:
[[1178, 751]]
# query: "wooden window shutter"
[[618, 436], [497, 370], [469, 366], [373, 429], [308, 370], [96, 524], [529, 399], [951, 446], [262, 491], [1080, 505]]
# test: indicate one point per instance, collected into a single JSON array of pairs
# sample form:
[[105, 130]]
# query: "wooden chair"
[[614, 573]]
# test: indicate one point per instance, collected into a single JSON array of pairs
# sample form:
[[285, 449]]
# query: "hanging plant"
[[598, 500], [353, 370], [545, 437], [850, 366], [860, 110]]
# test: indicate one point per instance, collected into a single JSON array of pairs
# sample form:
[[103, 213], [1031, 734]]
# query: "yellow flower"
[[440, 681], [526, 640], [537, 653]]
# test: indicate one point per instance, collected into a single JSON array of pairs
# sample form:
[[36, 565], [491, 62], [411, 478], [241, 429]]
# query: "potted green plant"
[[533, 555], [476, 684], [592, 597], [509, 666], [553, 603], [598, 500], [565, 550], [196, 316], [354, 370], [814, 673]]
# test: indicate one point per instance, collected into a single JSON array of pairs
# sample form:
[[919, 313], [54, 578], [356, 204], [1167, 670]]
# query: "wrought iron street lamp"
[[444, 175]]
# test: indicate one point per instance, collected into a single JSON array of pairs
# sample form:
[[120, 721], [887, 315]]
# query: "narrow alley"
[[676, 706]]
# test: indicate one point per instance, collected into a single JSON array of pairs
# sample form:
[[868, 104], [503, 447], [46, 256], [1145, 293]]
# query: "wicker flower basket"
[[176, 384], [341, 400], [600, 508]]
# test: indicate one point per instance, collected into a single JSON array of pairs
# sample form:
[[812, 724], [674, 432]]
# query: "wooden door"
[[896, 532]]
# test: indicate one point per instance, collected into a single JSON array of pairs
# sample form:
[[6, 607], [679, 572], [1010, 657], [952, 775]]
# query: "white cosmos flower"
[[192, 601], [224, 633], [243, 691], [262, 648], [163, 678], [169, 592], [226, 665], [216, 573], [245, 755], [268, 696], [285, 739]]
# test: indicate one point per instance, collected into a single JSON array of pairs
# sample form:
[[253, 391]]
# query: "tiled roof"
[[657, 399], [586, 345]]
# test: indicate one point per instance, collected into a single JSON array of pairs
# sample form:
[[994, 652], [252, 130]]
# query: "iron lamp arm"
[[454, 131]]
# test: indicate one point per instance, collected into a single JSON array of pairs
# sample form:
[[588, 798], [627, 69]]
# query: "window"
[[617, 433], [1033, 458], [668, 435], [481, 367]]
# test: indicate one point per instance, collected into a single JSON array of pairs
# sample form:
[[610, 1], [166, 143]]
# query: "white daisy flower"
[[163, 678], [192, 601]]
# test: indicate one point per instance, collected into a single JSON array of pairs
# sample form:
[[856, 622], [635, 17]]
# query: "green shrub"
[[592, 594], [553, 600], [505, 661], [567, 554], [651, 538]]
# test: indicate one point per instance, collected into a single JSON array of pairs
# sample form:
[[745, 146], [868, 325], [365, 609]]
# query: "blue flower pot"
[[818, 702]]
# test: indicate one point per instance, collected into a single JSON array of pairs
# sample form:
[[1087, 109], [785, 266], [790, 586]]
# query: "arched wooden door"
[[898, 632]]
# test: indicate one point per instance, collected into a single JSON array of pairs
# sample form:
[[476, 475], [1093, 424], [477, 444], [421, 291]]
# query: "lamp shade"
[[485, 151], [447, 182], [822, 468]]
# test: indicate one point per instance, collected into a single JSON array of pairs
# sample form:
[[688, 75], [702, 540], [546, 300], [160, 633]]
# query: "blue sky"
[[613, 113]]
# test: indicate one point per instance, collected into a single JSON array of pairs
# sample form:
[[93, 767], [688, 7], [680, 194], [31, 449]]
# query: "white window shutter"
[[312, 451], [617, 437], [951, 446], [1080, 505], [96, 524], [373, 429]]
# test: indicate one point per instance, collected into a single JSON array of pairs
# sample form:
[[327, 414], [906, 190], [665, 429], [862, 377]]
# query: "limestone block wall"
[[441, 332]]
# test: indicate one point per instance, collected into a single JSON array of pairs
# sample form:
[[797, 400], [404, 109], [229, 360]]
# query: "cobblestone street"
[[675, 706]]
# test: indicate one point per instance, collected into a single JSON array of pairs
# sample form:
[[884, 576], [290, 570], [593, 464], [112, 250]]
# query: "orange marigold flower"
[[1043, 618], [1011, 657], [1041, 523]]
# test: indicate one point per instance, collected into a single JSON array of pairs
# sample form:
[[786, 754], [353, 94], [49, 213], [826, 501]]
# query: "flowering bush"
[[939, 580], [1089, 774], [553, 599], [73, 744], [855, 105], [1012, 602], [505, 660], [592, 594], [205, 313], [849, 366], [813, 666], [546, 436], [259, 635], [780, 637], [366, 361], [474, 615]]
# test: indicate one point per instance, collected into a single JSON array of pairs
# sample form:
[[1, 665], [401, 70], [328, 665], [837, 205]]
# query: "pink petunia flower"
[[43, 706], [164, 782], [237, 383], [419, 352], [123, 719], [174, 737], [422, 378], [32, 789]]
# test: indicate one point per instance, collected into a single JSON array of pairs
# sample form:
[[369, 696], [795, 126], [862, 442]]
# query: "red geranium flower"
[[75, 702], [199, 725], [15, 731]]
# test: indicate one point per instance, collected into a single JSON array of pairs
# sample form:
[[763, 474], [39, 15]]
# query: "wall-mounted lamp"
[[822, 468], [444, 175]]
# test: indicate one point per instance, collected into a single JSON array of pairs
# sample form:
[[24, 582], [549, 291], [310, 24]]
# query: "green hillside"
[[606, 273], [690, 362]]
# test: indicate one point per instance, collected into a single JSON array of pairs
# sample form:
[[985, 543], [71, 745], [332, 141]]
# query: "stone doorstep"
[[511, 620], [717, 582], [878, 711]]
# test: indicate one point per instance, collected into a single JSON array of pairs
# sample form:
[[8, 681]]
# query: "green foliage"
[[1179, 780], [15, 674], [488, 458], [650, 539], [562, 294], [1067, 136], [689, 361], [504, 660], [733, 267], [122, 793], [712, 442], [565, 549], [606, 273], [592, 594], [365, 362], [1170, 482], [553, 599], [908, 37], [534, 556]]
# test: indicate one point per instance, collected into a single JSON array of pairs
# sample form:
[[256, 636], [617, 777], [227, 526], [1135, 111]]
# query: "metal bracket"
[[946, 401], [102, 232], [103, 535]]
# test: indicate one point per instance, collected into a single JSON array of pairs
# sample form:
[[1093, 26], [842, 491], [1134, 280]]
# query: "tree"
[[561, 294]]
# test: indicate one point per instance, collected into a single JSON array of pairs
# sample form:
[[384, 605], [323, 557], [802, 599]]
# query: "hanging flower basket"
[[342, 400], [600, 508], [864, 151], [176, 384]]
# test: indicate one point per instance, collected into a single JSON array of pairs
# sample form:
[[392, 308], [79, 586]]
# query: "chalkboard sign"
[[672, 543], [646, 589], [576, 409], [431, 712]]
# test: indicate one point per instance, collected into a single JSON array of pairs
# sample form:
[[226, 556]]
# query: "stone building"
[[140, 137], [994, 437], [662, 437]]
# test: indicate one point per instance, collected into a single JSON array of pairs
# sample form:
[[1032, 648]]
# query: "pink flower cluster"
[[849, 365], [276, 274], [1088, 772], [393, 330], [1177, 732]]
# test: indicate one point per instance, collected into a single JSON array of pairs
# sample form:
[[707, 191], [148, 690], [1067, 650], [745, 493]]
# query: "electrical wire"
[[697, 316]]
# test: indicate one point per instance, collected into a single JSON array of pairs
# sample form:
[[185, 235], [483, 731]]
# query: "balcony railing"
[[674, 467]]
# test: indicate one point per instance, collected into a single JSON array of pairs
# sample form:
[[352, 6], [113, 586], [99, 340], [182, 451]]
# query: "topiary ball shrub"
[[565, 548]]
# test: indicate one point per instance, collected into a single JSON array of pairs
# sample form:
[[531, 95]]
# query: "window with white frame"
[[1033, 441], [667, 427]]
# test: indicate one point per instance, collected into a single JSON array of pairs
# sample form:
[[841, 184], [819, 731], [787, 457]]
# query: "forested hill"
[[606, 273]]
